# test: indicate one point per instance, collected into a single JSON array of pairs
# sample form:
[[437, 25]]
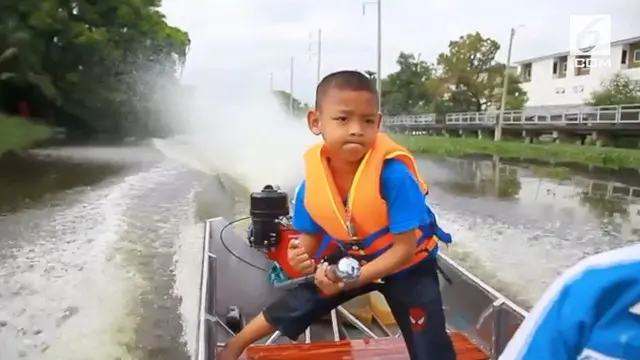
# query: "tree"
[[618, 90], [19, 66], [470, 79], [406, 91], [92, 65]]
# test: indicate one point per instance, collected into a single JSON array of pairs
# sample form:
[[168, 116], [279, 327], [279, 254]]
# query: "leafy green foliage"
[[18, 133], [470, 79], [619, 90], [86, 63], [406, 91], [466, 78]]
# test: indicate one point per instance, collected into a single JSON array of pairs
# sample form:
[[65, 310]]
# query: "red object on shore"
[[23, 108]]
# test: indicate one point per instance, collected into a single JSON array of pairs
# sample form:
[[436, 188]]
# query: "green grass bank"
[[18, 133], [585, 154]]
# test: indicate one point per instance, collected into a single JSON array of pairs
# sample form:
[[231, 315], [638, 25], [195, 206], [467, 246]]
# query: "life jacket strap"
[[359, 249]]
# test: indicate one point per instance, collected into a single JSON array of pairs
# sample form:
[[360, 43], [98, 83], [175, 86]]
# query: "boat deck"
[[471, 307], [369, 349]]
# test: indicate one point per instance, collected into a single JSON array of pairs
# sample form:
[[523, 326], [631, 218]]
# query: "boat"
[[481, 321]]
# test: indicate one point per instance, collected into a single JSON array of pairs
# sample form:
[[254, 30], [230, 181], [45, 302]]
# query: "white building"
[[561, 79]]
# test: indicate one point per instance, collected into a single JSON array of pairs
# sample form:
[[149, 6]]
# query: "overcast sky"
[[246, 40]]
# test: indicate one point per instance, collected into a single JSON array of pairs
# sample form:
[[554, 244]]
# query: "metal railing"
[[478, 310], [622, 114], [410, 119], [207, 340], [472, 307]]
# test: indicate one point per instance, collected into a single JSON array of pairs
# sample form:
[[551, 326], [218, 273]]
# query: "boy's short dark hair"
[[345, 80]]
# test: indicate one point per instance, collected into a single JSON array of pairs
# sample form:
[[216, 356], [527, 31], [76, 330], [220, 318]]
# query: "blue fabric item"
[[276, 274], [591, 312]]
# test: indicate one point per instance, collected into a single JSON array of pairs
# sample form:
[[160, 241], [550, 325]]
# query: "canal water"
[[100, 246]]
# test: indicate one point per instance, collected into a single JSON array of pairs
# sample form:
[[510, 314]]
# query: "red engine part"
[[279, 254]]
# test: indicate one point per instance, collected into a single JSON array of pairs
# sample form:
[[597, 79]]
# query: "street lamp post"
[[503, 102], [318, 71], [379, 47], [318, 43]]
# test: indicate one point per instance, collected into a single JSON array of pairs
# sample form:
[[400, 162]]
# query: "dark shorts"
[[413, 297]]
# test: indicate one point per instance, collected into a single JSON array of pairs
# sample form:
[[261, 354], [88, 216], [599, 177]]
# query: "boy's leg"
[[416, 303], [296, 310]]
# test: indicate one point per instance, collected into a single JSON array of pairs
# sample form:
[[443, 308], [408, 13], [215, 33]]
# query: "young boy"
[[362, 192]]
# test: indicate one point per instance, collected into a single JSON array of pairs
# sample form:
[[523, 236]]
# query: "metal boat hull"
[[478, 316]]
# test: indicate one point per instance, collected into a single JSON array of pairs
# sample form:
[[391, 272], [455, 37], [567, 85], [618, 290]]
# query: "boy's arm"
[[406, 207], [303, 222], [399, 254], [309, 242]]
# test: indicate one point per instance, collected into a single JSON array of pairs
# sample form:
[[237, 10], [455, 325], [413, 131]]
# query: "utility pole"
[[379, 59], [503, 102], [319, 55], [291, 87], [379, 48]]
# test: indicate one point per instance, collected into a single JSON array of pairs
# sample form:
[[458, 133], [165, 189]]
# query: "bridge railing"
[[621, 114], [410, 119]]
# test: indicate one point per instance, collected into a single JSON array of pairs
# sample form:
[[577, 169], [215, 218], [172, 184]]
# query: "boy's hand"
[[326, 286], [299, 259]]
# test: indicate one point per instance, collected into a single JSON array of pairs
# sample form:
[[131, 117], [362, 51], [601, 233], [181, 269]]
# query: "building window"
[[625, 56], [559, 67], [525, 72], [582, 64], [636, 56]]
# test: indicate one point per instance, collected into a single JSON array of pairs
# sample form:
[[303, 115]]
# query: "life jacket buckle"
[[355, 248]]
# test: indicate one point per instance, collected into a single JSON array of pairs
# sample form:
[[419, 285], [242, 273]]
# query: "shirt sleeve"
[[584, 312], [302, 220], [405, 200], [546, 333]]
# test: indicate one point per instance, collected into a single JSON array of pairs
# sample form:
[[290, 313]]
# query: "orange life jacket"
[[369, 218]]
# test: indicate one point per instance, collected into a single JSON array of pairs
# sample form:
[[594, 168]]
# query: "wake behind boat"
[[481, 321]]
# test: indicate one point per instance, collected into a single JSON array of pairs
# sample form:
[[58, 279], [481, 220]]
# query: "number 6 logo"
[[590, 35]]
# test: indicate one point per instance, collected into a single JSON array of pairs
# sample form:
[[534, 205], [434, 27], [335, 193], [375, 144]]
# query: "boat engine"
[[271, 229]]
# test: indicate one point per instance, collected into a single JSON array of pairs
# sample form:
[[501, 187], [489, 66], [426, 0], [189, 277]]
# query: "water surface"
[[100, 246]]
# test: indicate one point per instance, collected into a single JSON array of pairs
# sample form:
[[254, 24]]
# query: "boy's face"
[[348, 122]]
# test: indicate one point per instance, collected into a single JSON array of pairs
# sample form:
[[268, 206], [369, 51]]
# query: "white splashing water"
[[241, 132], [54, 300], [232, 123]]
